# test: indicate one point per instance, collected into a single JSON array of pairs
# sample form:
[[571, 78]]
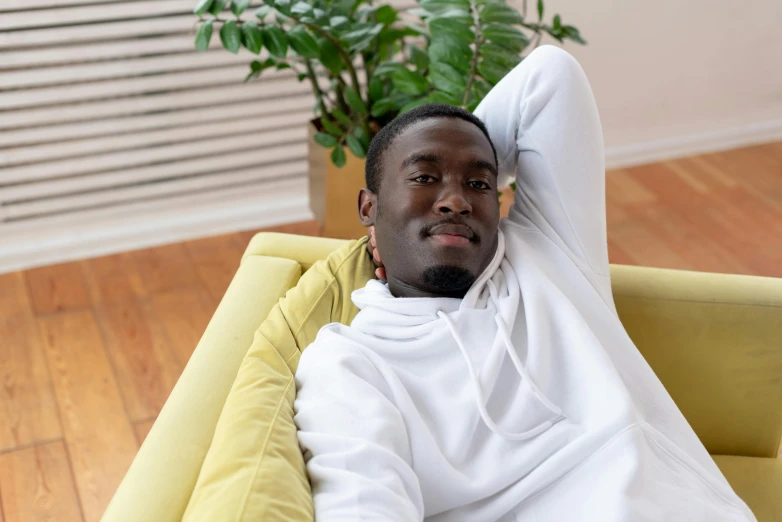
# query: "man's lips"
[[452, 234]]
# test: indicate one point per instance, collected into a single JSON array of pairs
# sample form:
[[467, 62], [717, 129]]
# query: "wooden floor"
[[90, 350]]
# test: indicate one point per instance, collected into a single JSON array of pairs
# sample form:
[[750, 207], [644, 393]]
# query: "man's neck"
[[401, 289]]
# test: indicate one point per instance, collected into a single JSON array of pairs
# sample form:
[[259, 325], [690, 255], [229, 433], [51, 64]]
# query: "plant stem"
[[343, 105], [316, 88], [478, 41], [348, 65]]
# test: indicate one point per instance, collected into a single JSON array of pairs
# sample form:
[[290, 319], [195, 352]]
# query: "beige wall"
[[676, 77]]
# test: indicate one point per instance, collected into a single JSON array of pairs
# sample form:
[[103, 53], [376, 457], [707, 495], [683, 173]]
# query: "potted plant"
[[367, 63]]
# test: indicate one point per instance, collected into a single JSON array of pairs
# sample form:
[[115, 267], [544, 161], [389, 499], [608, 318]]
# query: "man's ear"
[[367, 207]]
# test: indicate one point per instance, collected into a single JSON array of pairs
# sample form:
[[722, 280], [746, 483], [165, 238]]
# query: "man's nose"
[[452, 200]]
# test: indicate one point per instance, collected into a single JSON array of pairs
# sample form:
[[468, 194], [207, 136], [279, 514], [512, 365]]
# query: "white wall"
[[678, 77]]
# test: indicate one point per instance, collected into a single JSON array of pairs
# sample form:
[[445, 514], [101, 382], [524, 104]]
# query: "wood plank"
[[216, 259], [27, 407], [37, 485], [183, 314], [164, 268], [111, 279], [145, 372], [98, 434], [644, 247], [293, 139], [13, 295], [142, 429], [57, 288]]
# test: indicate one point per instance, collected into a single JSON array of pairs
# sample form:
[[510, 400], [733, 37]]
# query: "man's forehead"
[[430, 136]]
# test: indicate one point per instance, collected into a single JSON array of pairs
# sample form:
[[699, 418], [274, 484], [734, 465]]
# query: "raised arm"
[[353, 437], [543, 120]]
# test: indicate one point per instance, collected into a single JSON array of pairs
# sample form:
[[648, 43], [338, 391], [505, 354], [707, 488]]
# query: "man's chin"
[[448, 279]]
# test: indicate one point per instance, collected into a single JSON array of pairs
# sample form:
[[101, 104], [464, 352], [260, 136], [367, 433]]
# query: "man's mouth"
[[452, 234]]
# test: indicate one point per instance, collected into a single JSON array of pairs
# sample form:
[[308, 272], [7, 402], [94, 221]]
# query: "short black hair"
[[383, 139]]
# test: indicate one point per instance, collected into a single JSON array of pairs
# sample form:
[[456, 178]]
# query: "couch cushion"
[[758, 481], [254, 469]]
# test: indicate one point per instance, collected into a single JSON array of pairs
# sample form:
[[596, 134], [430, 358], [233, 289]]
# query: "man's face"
[[437, 211]]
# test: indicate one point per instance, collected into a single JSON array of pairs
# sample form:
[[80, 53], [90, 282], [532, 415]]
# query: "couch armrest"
[[715, 342], [160, 481], [305, 250]]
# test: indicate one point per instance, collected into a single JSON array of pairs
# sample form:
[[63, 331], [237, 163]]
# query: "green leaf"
[[480, 88], [338, 157], [303, 43], [439, 26], [300, 8], [355, 146], [359, 39], [492, 72], [506, 36], [202, 6], [330, 126], [500, 55], [383, 106], [362, 137], [217, 7], [501, 13], [387, 68], [231, 36], [572, 33], [355, 101], [251, 37], [274, 40], [451, 51], [376, 88], [418, 57], [262, 11], [325, 139], [442, 97], [342, 117], [386, 15], [438, 7], [540, 10], [413, 104], [329, 56], [283, 6], [238, 6], [204, 35], [557, 22], [409, 82], [446, 78], [339, 22]]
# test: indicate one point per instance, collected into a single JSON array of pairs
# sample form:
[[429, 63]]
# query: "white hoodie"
[[526, 399]]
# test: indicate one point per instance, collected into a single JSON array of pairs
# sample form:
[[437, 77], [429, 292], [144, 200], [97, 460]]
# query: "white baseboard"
[[691, 144], [106, 231]]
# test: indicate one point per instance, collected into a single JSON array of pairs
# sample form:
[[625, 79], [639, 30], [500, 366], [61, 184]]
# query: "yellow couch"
[[714, 340]]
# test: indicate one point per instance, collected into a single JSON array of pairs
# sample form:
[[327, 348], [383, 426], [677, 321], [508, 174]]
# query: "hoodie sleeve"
[[543, 120], [354, 439]]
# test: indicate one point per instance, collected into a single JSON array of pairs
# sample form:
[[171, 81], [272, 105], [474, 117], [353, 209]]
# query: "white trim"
[[101, 232], [691, 144]]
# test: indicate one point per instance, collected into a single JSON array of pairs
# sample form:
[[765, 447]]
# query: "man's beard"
[[448, 279]]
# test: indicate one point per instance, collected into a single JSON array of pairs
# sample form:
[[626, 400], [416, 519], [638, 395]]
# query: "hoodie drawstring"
[[522, 371]]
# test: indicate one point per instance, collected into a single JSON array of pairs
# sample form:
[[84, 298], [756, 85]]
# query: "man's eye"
[[424, 178], [480, 185]]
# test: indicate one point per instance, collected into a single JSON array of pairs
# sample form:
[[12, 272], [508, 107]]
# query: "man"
[[489, 377]]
